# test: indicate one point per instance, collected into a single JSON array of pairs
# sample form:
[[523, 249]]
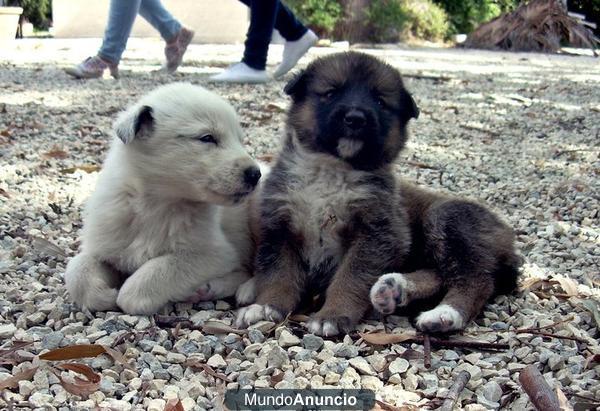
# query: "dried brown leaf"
[[81, 369], [17, 345], [207, 368], [4, 193], [56, 152], [48, 247], [568, 285], [276, 378], [217, 327], [562, 400], [385, 338], [118, 357], [79, 386], [174, 404], [299, 318], [13, 382], [73, 352], [84, 167]]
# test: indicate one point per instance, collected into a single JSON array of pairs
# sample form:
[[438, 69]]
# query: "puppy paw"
[[441, 319], [329, 327], [136, 302], [389, 292], [256, 312], [246, 293], [204, 293]]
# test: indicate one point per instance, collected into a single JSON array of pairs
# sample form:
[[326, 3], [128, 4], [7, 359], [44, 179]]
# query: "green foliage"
[[466, 15], [393, 20], [320, 15], [38, 12]]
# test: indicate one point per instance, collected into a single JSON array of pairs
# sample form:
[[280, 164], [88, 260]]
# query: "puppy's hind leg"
[[92, 284], [468, 245], [396, 290], [221, 287]]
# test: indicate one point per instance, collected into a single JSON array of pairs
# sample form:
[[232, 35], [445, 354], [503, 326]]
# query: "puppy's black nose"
[[355, 119], [251, 176]]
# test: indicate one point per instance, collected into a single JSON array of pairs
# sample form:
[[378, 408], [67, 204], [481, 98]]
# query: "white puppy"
[[167, 221]]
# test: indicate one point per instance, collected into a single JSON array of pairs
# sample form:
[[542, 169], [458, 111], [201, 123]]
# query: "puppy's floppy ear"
[[408, 106], [134, 123], [296, 87]]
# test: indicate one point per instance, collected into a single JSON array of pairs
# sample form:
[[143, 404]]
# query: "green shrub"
[[320, 15], [466, 15], [37, 12], [394, 20]]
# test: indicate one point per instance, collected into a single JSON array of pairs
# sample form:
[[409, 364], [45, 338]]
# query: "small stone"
[[216, 361], [7, 330], [287, 339], [492, 391], [450, 355], [36, 318], [39, 400], [262, 326], [377, 361], [362, 366], [176, 358], [398, 366], [159, 350], [473, 358], [256, 336], [370, 382], [556, 362], [52, 340], [277, 357], [345, 350], [312, 342], [26, 388], [410, 382], [156, 405], [332, 378]]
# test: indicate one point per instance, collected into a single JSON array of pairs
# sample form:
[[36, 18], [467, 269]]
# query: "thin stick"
[[454, 392], [562, 337], [426, 351], [540, 393], [464, 344]]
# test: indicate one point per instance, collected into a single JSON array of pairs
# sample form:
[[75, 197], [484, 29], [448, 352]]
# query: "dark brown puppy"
[[334, 218]]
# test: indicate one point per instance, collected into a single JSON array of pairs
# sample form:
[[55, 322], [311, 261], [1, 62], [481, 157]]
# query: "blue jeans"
[[121, 16], [264, 15]]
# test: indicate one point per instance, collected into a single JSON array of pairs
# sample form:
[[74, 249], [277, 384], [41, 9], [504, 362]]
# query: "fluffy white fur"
[[168, 220]]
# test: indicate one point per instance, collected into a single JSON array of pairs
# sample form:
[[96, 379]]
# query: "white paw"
[[246, 293], [441, 319], [326, 328], [256, 312], [131, 301], [390, 292]]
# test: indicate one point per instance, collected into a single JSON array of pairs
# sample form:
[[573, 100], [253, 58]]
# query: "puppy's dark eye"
[[207, 138], [381, 102]]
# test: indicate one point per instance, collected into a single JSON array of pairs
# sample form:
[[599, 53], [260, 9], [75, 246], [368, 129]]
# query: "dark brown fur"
[[373, 223]]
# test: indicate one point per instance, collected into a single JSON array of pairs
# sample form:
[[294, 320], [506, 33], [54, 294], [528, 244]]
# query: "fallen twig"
[[426, 351], [545, 334], [538, 390], [409, 338], [428, 77], [457, 387]]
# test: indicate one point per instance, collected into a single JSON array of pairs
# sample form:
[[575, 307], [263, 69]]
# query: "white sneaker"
[[293, 51], [241, 73]]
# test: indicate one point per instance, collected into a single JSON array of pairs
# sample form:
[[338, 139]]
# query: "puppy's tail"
[[91, 284], [507, 274]]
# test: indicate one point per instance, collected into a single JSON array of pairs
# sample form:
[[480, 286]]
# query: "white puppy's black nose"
[[251, 176], [355, 119]]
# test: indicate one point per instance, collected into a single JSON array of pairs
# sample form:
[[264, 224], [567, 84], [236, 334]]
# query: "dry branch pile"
[[539, 25]]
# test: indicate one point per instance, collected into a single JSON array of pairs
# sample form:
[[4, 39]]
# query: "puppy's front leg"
[[164, 279], [279, 280], [347, 297]]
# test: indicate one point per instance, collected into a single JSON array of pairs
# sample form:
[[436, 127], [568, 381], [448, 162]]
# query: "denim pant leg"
[[163, 21], [286, 22], [262, 20], [121, 16]]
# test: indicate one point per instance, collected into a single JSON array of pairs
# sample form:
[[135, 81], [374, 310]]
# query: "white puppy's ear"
[[134, 123]]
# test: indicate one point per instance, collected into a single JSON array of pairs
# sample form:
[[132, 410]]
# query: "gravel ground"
[[518, 131]]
